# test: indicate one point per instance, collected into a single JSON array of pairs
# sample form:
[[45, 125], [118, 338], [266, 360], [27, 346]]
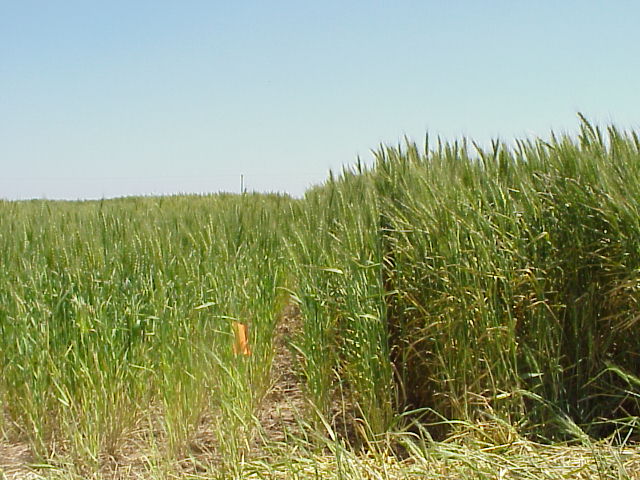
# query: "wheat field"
[[449, 311]]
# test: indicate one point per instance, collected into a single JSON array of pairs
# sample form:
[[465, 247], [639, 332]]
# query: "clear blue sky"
[[101, 99]]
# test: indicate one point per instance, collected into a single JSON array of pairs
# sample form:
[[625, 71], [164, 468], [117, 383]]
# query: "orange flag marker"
[[241, 343]]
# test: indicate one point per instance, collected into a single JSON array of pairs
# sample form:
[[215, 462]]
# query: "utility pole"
[[241, 183]]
